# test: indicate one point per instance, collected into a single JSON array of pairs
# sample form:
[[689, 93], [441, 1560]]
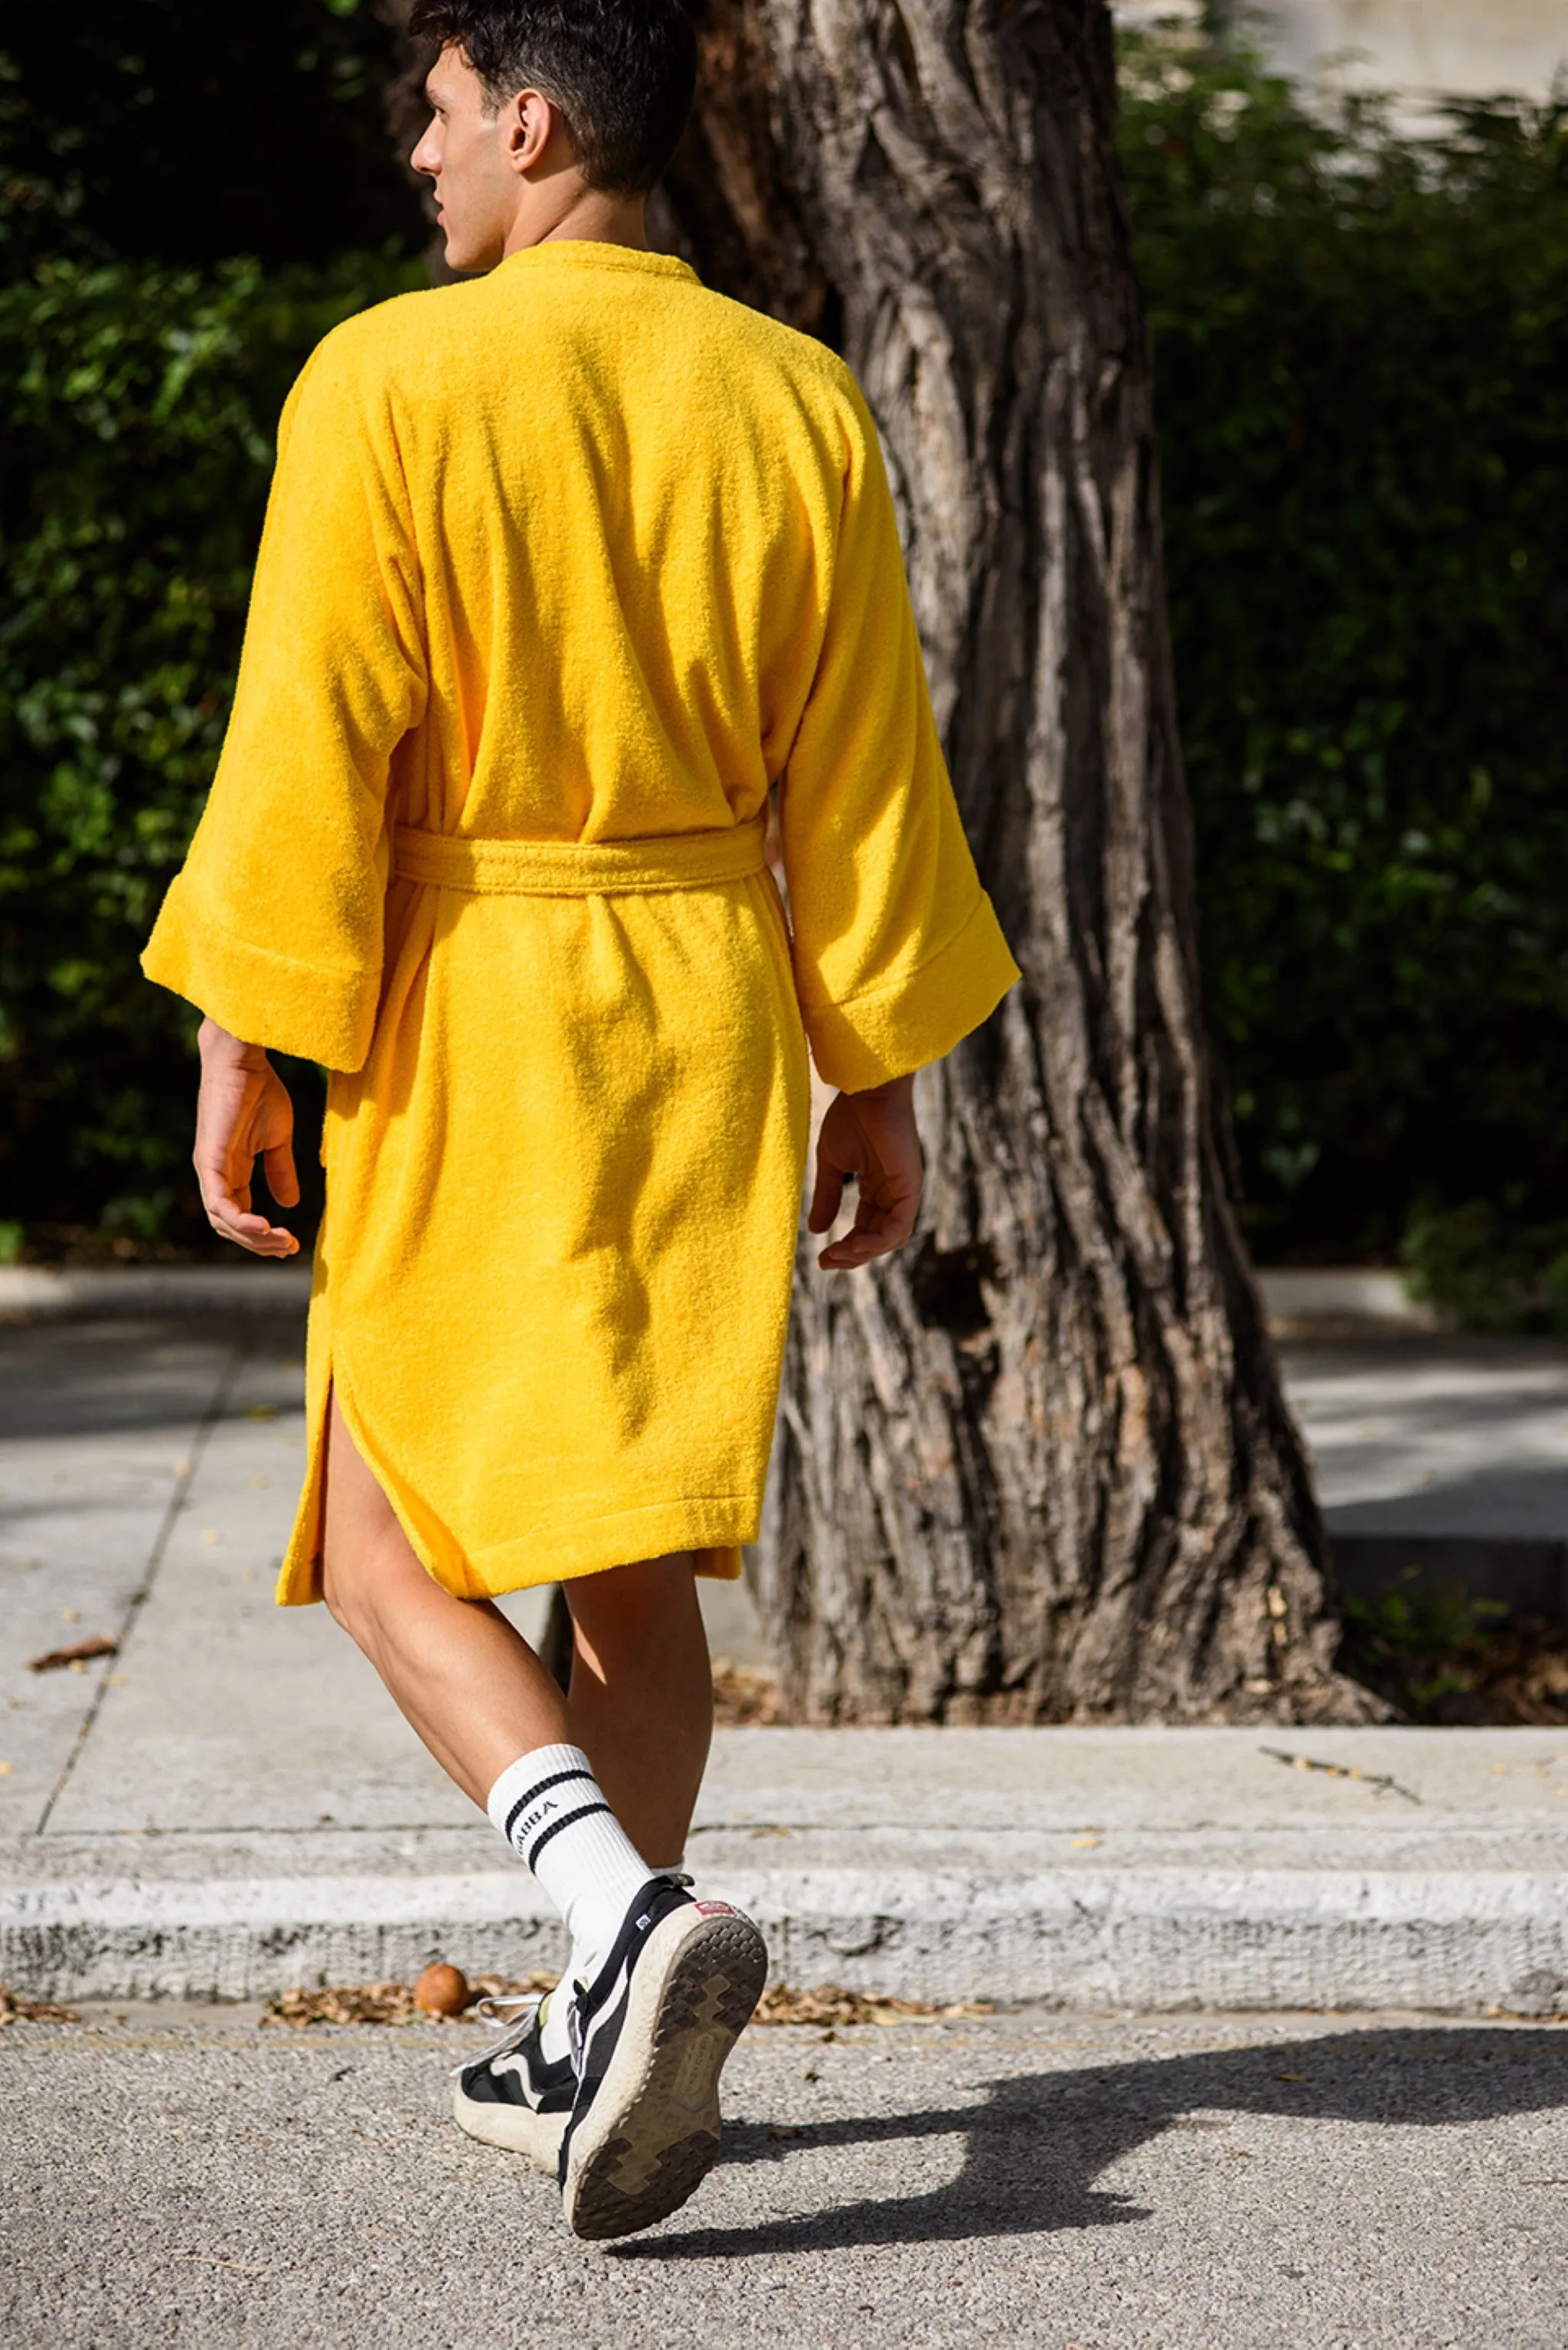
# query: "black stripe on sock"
[[582, 1811], [521, 1806]]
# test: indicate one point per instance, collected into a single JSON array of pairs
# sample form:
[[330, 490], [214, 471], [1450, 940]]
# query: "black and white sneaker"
[[651, 2034], [513, 2096]]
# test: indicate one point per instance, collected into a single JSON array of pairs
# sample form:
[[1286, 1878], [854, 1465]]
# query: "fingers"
[[257, 1236], [230, 1214], [872, 1140], [827, 1195], [861, 1246], [849, 1254], [281, 1181], [242, 1105], [233, 1222], [883, 1222], [252, 1232]]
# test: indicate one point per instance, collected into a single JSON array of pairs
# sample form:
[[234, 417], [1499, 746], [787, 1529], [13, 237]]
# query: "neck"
[[583, 215]]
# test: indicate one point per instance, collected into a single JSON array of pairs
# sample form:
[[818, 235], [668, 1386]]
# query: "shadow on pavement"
[[94, 1380], [1037, 2140]]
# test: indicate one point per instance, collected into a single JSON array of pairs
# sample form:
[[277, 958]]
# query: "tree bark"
[[1040, 1468]]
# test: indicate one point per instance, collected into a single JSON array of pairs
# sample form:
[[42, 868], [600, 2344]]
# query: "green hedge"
[[140, 407], [1362, 392]]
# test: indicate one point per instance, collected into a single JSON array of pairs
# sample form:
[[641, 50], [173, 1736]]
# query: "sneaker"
[[651, 2034], [513, 2096]]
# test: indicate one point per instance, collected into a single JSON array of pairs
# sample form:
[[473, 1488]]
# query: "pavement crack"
[[1340, 1771]]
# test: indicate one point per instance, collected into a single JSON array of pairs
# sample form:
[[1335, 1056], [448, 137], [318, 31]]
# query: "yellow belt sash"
[[574, 868]]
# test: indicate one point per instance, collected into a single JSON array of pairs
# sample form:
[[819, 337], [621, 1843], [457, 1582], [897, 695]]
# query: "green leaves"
[[142, 407], [1489, 1267], [1360, 351]]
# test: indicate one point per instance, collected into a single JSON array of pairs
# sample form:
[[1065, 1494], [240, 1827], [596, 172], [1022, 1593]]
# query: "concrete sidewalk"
[[231, 1805]]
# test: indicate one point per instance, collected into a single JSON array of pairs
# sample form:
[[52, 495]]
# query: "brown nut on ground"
[[441, 1990]]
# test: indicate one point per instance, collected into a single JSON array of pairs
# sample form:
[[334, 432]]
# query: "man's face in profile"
[[465, 152]]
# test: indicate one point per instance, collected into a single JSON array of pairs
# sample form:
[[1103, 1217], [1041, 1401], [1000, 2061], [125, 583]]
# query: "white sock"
[[554, 2036], [551, 1811]]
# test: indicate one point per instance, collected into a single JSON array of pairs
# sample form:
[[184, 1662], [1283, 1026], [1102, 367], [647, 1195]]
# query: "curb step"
[[1154, 1940]]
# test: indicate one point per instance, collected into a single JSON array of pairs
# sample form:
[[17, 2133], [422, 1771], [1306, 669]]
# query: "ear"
[[531, 125]]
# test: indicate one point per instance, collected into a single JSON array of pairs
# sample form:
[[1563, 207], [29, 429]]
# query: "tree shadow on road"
[[1036, 2141]]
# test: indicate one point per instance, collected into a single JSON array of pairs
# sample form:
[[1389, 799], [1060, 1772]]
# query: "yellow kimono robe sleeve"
[[898, 954], [274, 923]]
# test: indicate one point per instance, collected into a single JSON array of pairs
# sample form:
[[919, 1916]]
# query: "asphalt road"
[[185, 2178]]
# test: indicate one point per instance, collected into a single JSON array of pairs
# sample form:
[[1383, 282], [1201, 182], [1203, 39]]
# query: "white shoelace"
[[493, 2008]]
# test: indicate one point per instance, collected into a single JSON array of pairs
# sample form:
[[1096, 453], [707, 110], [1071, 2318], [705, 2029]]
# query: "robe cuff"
[[257, 994], [888, 1031]]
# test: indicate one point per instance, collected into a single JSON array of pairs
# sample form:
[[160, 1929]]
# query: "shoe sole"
[[516, 2128], [651, 2133]]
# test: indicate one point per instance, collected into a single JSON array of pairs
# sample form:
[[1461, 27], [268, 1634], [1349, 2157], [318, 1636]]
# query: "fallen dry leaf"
[[388, 2002], [393, 2002], [15, 2009], [55, 1660], [509, 1986], [745, 1699], [1339, 1771], [780, 2003], [384, 2002]]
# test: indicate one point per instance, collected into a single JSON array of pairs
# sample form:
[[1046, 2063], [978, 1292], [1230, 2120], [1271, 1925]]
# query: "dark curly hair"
[[621, 71]]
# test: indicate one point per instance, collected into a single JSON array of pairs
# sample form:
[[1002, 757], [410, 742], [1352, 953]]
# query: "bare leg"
[[474, 1691], [641, 1703]]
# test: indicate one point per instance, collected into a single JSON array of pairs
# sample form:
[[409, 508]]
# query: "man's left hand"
[[872, 1136]]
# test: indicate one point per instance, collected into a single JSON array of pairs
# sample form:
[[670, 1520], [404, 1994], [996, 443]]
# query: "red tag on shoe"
[[716, 1910]]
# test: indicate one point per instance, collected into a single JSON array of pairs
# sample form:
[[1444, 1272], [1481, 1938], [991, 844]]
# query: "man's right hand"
[[244, 1112]]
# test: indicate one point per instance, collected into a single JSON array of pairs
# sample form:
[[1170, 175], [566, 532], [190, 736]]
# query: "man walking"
[[565, 570]]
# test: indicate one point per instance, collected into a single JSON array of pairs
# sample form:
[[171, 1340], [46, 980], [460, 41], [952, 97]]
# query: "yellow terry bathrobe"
[[563, 569]]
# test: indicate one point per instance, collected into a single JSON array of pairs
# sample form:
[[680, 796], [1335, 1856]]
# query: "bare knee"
[[634, 1607], [346, 1586], [338, 1590], [365, 1554]]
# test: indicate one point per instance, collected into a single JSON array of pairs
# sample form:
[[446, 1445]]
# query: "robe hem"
[[714, 1527]]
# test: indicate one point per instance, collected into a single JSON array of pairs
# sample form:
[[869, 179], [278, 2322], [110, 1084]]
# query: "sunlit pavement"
[[1289, 2182]]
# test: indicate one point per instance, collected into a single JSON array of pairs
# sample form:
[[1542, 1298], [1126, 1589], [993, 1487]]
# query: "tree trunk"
[[1040, 1468]]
